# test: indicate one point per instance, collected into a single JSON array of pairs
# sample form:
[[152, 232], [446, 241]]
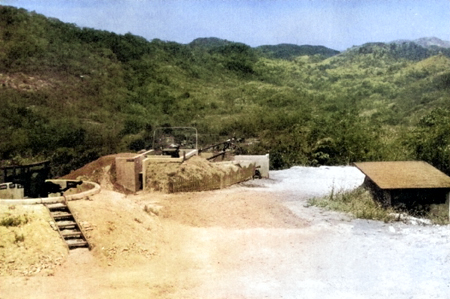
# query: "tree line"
[[72, 94]]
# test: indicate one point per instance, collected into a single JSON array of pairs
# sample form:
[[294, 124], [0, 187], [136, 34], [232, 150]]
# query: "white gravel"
[[344, 257], [314, 182]]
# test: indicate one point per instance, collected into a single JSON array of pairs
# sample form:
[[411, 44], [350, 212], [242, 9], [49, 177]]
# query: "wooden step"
[[72, 243], [67, 226], [56, 206], [62, 224], [61, 215], [73, 233]]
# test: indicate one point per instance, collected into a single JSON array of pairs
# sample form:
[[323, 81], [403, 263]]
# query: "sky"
[[336, 24]]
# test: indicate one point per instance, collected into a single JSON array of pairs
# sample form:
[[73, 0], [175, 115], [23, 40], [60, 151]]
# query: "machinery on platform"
[[31, 181]]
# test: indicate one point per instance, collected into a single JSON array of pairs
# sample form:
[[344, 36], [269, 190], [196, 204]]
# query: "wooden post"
[[447, 202], [387, 198]]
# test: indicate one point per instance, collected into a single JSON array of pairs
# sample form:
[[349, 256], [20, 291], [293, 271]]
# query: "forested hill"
[[289, 51], [72, 94]]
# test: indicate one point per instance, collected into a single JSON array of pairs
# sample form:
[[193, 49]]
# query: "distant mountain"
[[403, 49], [290, 51], [426, 42]]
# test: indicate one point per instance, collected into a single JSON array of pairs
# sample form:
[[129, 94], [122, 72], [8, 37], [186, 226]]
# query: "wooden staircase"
[[67, 226]]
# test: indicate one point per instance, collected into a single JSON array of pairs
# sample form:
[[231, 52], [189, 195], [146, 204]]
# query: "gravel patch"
[[354, 258]]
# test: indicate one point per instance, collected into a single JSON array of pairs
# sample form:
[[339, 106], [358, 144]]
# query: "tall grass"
[[361, 204], [358, 202]]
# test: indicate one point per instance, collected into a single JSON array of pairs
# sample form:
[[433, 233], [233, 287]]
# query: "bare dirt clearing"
[[256, 240]]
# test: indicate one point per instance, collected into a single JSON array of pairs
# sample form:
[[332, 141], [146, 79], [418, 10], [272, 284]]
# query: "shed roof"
[[404, 175]]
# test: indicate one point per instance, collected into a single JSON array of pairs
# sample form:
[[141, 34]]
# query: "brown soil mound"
[[198, 167], [119, 230], [101, 171]]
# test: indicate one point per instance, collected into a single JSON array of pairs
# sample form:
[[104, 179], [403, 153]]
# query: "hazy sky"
[[337, 24]]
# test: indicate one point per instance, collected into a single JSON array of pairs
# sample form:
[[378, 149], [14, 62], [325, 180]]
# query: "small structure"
[[406, 183]]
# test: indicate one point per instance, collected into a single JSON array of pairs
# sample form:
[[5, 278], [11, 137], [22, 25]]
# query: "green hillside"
[[72, 94]]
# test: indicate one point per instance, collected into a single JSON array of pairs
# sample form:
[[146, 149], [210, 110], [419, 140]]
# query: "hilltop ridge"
[[426, 42]]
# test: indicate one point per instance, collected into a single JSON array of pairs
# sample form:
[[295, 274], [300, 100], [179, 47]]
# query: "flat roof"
[[404, 175]]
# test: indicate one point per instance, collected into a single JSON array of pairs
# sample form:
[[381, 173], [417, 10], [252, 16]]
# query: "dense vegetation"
[[72, 94]]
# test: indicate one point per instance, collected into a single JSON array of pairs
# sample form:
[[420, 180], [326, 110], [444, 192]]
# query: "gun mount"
[[33, 179], [51, 187]]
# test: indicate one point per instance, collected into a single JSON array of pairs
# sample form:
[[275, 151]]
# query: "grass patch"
[[358, 202], [11, 220], [18, 238], [361, 204]]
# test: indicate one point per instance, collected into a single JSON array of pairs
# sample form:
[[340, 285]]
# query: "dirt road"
[[257, 240]]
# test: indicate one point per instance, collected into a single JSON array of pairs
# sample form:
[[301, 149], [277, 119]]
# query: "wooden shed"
[[406, 183]]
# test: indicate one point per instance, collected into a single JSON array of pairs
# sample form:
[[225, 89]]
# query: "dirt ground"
[[255, 240], [32, 247], [152, 244]]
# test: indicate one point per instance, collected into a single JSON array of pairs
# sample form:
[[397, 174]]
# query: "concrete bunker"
[[190, 172], [175, 164]]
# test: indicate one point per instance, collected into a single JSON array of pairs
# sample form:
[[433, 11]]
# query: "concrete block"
[[11, 191], [128, 172]]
